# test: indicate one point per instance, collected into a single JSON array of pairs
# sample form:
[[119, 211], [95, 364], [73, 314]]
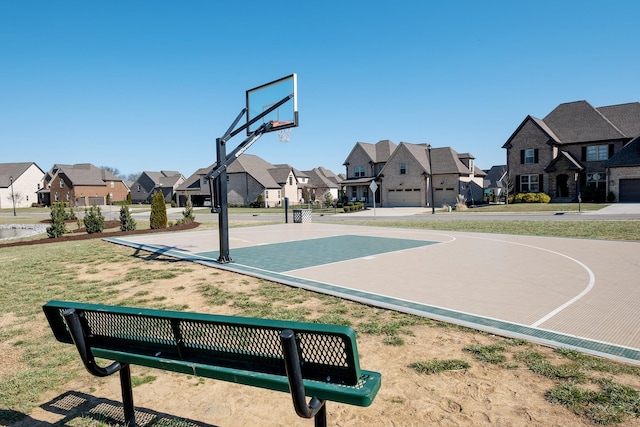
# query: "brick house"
[[149, 182], [407, 177], [81, 185], [363, 164], [404, 177], [248, 178], [572, 151]]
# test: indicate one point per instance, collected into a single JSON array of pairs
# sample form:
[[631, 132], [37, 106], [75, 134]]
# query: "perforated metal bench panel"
[[236, 349]]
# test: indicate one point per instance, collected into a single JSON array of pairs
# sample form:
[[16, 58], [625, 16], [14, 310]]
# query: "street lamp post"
[[13, 199], [433, 206], [577, 180]]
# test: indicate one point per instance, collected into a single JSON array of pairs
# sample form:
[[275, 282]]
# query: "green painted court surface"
[[294, 255]]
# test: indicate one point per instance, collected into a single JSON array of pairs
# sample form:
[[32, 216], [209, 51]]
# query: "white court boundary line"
[[585, 291]]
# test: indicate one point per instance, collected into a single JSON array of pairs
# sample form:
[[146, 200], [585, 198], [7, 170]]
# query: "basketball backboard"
[[261, 98]]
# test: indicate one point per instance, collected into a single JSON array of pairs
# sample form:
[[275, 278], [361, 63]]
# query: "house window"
[[113, 184], [403, 168], [597, 181], [529, 184], [57, 197], [529, 157], [359, 171], [266, 194], [61, 183], [279, 194], [138, 187], [290, 180], [68, 197], [354, 192], [597, 152]]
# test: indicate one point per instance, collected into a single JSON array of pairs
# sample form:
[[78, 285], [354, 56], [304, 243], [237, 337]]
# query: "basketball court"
[[574, 293], [580, 294]]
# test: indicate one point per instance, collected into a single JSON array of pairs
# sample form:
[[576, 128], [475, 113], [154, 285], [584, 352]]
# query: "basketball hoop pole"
[[218, 176]]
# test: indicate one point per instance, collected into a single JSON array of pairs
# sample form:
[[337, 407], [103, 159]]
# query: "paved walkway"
[[575, 293]]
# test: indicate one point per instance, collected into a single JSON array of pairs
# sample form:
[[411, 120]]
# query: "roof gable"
[[580, 122], [13, 170], [539, 124], [380, 152]]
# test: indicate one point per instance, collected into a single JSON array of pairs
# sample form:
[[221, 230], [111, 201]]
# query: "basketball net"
[[284, 134]]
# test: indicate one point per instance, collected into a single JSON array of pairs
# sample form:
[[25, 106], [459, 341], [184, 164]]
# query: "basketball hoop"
[[284, 134]]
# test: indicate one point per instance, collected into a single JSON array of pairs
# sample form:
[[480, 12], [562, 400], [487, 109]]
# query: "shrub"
[[70, 214], [58, 226], [93, 220], [158, 218], [127, 223], [530, 198], [611, 197], [187, 213]]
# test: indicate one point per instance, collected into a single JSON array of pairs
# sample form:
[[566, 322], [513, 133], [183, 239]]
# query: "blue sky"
[[149, 85]]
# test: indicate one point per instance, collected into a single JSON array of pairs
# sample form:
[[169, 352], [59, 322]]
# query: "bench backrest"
[[328, 353]]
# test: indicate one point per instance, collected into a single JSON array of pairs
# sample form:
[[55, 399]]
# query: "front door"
[[562, 186]]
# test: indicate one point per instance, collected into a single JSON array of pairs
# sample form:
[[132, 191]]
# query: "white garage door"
[[403, 197], [630, 190]]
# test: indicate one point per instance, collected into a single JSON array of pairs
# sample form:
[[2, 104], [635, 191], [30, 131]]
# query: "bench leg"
[[320, 420], [127, 396]]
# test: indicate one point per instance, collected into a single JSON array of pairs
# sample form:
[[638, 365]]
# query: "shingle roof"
[[256, 167], [12, 170], [493, 176], [85, 174], [628, 156], [445, 159], [580, 122], [626, 117], [378, 152], [318, 178]]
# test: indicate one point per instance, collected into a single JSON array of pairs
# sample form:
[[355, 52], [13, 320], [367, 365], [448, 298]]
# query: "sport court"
[[574, 293]]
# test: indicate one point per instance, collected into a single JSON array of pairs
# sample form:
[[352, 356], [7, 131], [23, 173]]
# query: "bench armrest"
[[72, 319], [294, 375]]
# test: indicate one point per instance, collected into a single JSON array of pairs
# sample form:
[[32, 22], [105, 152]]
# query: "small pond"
[[14, 231]]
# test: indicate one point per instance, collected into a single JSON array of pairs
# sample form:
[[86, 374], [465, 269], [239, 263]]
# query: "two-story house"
[[19, 183], [249, 179], [81, 184], [567, 153], [149, 182], [404, 175], [421, 175], [322, 182], [363, 164]]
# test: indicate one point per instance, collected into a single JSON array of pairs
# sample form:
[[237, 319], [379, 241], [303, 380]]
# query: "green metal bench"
[[305, 359]]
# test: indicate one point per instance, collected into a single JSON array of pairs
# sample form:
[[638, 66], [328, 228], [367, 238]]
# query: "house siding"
[[530, 137], [359, 158], [25, 188], [411, 180], [146, 188]]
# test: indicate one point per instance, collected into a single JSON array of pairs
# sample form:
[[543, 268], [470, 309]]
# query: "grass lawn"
[[94, 271]]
